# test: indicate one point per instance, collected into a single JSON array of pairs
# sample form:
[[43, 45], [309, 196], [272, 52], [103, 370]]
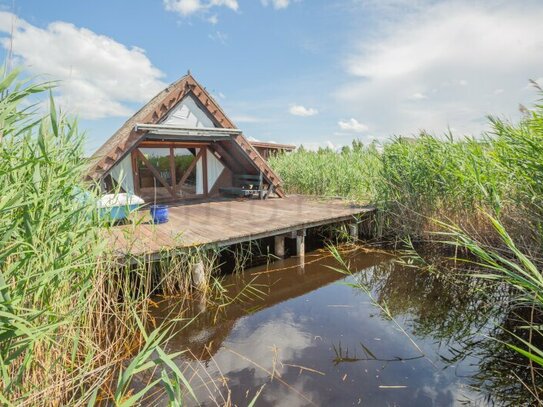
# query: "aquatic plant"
[[427, 185], [327, 173], [72, 316]]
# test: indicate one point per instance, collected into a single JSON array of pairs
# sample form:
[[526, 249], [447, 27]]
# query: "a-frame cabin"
[[180, 146]]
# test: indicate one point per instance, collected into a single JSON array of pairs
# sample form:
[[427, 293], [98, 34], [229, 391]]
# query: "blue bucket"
[[159, 213]]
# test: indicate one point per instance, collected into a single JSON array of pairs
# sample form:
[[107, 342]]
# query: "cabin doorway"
[[167, 172]]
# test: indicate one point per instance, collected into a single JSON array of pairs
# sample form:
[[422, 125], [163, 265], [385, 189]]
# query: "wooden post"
[[300, 244], [204, 171], [135, 172], [198, 274], [173, 175], [353, 230], [202, 303], [300, 250], [280, 246]]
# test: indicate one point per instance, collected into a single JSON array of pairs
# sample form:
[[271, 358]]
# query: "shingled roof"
[[124, 139]]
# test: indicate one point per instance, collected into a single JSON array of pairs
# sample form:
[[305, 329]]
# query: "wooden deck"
[[227, 222]]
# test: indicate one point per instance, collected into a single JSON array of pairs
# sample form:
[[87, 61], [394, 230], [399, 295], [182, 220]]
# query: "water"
[[312, 338]]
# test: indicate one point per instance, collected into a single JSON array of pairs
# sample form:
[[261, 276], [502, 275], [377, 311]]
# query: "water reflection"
[[311, 340]]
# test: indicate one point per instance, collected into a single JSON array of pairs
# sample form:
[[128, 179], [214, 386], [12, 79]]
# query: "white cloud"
[[188, 7], [352, 125], [277, 4], [219, 36], [418, 96], [299, 110], [214, 19], [98, 75], [285, 334], [231, 4], [253, 352], [247, 119], [183, 7], [458, 52]]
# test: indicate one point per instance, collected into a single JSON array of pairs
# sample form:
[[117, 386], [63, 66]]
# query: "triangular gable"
[[183, 98], [187, 113]]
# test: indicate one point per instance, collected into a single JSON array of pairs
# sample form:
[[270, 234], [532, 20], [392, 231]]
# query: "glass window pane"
[[188, 173], [186, 181], [151, 188]]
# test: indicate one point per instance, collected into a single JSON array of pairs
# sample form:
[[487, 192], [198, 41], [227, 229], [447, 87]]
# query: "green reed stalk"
[[423, 185], [70, 315]]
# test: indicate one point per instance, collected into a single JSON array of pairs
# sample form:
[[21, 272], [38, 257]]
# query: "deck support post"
[[300, 244], [280, 246], [300, 250], [202, 303], [353, 230], [198, 274]]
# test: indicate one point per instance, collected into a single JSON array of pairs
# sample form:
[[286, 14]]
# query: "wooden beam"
[[300, 244], [176, 144], [135, 172], [172, 170], [204, 170], [227, 158]]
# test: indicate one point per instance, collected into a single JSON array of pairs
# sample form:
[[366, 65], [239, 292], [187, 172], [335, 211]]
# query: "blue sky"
[[307, 72]]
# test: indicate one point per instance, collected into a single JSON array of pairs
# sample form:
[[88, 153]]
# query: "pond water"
[[311, 336]]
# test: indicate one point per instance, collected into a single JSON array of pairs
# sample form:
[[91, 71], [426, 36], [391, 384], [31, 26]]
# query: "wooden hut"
[[269, 149], [182, 146]]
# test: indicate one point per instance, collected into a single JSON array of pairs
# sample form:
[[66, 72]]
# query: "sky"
[[311, 72]]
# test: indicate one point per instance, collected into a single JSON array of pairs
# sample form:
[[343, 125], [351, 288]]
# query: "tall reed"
[[349, 173], [71, 318], [485, 194]]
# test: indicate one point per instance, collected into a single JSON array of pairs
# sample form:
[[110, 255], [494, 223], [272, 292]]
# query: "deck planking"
[[226, 222]]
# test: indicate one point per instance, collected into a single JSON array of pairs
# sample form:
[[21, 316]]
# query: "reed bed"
[[326, 173], [74, 322], [417, 180], [481, 196]]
